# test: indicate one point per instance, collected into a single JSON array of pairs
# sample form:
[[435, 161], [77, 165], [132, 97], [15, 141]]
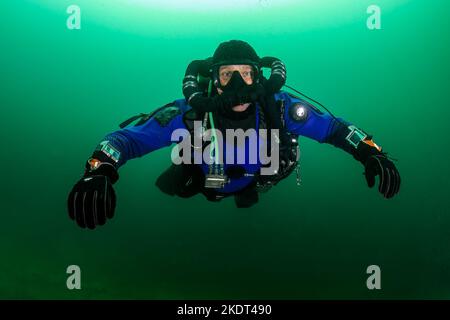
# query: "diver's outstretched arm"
[[304, 119], [92, 200], [376, 162]]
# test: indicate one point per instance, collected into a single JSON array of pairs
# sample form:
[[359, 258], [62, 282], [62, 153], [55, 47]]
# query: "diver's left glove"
[[377, 163], [92, 200], [365, 150], [389, 177]]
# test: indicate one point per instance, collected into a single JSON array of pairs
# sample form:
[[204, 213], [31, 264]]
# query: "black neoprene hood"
[[235, 52]]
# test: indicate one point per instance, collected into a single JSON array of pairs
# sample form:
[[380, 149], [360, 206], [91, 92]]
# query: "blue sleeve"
[[139, 140], [304, 119], [316, 125]]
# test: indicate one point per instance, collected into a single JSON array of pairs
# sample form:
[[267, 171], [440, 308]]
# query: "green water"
[[62, 90]]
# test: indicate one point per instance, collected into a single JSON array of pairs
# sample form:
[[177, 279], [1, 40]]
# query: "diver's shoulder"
[[182, 105], [284, 95]]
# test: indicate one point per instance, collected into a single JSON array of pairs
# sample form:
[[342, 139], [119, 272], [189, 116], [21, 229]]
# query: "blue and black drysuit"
[[92, 200], [300, 119]]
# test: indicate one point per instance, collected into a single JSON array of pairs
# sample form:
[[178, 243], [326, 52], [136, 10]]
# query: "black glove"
[[371, 156], [389, 184], [376, 163], [92, 200]]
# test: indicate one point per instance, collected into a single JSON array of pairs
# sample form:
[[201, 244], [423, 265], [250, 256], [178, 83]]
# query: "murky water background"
[[62, 90]]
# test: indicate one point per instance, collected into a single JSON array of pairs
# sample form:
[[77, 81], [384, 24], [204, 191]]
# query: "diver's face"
[[225, 74]]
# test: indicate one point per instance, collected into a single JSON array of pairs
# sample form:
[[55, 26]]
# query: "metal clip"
[[297, 172], [215, 181]]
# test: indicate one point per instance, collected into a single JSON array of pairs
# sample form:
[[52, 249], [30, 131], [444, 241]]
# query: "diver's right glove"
[[92, 200]]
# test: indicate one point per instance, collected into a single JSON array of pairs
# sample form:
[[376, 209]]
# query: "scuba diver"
[[225, 91]]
